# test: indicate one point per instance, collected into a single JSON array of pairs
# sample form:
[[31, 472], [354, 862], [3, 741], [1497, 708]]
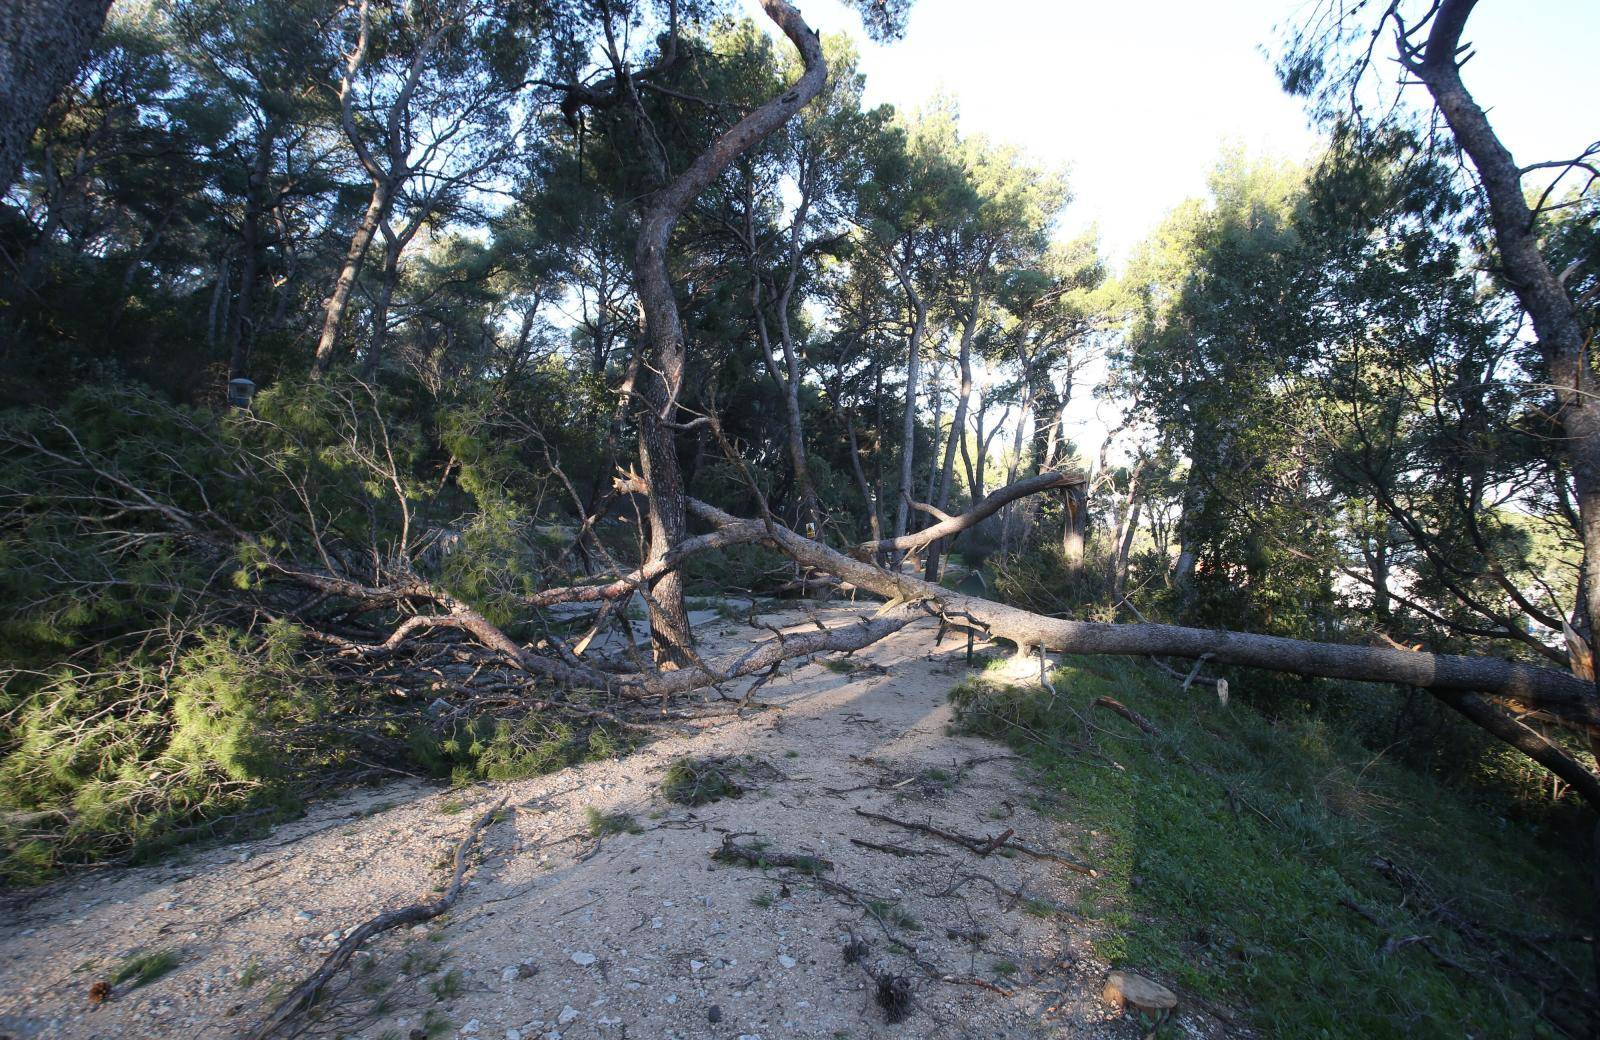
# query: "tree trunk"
[[1555, 319], [1458, 681], [908, 433], [42, 45], [392, 246], [240, 324], [1074, 526], [938, 432], [958, 426], [377, 209], [671, 638]]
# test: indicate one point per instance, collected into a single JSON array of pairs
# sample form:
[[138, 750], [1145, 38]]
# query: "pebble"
[[303, 915], [471, 1027], [713, 1014], [513, 1034], [583, 960], [787, 961], [568, 1013]]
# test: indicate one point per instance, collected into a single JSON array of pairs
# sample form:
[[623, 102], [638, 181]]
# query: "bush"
[[125, 761]]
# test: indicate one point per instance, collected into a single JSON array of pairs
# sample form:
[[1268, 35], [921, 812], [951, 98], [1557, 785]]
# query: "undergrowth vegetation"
[[160, 683], [1278, 866]]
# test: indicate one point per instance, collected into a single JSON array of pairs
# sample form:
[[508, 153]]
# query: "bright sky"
[[1137, 99]]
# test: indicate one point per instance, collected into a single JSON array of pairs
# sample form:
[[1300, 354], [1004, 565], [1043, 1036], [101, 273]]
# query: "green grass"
[[1232, 848], [145, 966], [601, 824]]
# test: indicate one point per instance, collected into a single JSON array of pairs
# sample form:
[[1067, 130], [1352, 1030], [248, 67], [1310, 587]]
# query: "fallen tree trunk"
[[1454, 679], [991, 504]]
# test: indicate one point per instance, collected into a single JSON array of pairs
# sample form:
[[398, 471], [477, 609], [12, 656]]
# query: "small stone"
[[583, 960], [568, 1013], [513, 1034], [303, 915], [787, 961], [510, 973], [419, 929], [471, 1027], [672, 998], [1125, 989], [713, 1014], [527, 970], [696, 965], [331, 937]]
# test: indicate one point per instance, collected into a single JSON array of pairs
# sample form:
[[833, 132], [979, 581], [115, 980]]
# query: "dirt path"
[[636, 934]]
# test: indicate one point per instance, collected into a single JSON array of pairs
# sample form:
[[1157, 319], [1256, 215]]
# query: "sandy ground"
[[633, 935]]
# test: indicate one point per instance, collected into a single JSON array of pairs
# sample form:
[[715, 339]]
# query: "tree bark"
[[42, 45], [670, 635], [333, 316], [1074, 525], [958, 429], [1456, 680], [392, 245], [1555, 319], [240, 323], [908, 432]]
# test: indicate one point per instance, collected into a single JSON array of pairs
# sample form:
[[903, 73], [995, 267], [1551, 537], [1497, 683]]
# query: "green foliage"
[[146, 967], [692, 781], [1233, 849], [602, 824], [128, 761]]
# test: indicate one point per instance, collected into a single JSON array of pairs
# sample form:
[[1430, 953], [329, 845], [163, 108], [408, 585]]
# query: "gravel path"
[[637, 934]]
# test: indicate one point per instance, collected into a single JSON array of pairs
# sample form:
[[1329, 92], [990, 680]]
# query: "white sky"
[[1137, 99]]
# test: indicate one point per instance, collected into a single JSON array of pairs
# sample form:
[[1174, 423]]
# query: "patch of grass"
[[895, 914], [145, 966], [840, 665], [601, 824], [698, 781], [452, 807], [1005, 968], [251, 974], [1232, 848], [447, 985], [762, 900]]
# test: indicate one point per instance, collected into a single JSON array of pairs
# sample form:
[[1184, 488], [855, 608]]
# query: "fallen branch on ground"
[[1459, 681], [981, 846], [305, 994], [732, 852]]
